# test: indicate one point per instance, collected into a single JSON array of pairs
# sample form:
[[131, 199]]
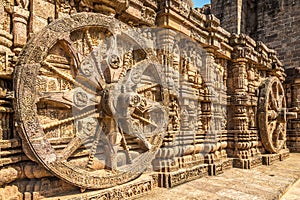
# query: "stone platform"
[[263, 182], [141, 186]]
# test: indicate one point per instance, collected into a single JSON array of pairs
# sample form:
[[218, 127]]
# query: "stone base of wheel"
[[269, 159], [247, 163]]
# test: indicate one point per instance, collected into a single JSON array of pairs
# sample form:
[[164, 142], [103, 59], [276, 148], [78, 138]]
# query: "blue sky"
[[200, 3]]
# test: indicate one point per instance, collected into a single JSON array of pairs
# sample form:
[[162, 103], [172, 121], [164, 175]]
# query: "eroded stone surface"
[[94, 93]]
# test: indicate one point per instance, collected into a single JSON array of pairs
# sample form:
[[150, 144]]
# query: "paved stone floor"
[[264, 182], [293, 193]]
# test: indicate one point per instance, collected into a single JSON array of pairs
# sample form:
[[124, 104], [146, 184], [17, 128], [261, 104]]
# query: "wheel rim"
[[272, 117]]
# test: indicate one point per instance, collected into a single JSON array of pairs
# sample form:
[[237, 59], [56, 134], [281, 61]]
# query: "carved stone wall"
[[219, 91], [273, 22]]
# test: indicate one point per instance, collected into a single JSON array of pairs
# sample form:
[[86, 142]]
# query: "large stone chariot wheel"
[[90, 101], [272, 115]]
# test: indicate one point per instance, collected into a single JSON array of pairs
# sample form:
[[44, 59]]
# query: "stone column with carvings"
[[5, 70], [214, 110], [8, 140], [169, 56], [242, 84], [239, 126], [20, 21]]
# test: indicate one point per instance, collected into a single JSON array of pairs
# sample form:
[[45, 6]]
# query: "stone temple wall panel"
[[276, 24], [175, 97]]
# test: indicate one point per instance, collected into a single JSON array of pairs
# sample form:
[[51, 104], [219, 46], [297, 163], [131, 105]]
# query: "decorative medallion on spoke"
[[272, 115], [91, 101]]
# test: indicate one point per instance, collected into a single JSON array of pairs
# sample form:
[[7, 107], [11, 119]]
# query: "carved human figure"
[[176, 57], [191, 67], [185, 119], [174, 114], [252, 117], [184, 64]]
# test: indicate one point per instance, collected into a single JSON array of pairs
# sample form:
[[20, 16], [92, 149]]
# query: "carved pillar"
[[7, 138], [20, 21], [213, 109], [5, 37], [221, 107], [240, 112], [241, 144], [5, 54], [5, 70], [169, 55], [212, 134]]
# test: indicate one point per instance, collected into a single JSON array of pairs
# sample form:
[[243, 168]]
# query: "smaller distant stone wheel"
[[90, 101], [272, 115]]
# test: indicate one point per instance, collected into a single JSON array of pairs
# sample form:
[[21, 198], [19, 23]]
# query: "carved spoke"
[[55, 97], [280, 101], [64, 121], [144, 120], [275, 138], [274, 91], [273, 100], [89, 40], [97, 84], [272, 127], [73, 145], [77, 56], [76, 98], [278, 88], [93, 150], [68, 78]]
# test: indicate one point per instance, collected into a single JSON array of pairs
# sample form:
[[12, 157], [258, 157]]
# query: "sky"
[[200, 3]]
